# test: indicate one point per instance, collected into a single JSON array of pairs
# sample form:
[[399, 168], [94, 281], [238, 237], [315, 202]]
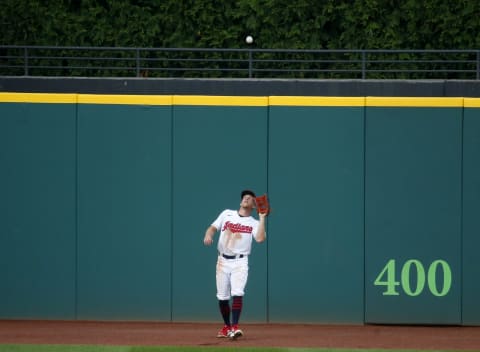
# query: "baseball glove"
[[263, 205]]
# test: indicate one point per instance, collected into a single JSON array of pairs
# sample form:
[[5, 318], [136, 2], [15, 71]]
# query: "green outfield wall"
[[413, 203], [470, 215], [104, 201]]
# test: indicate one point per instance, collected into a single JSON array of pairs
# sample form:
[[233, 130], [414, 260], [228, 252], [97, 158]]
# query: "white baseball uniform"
[[234, 246]]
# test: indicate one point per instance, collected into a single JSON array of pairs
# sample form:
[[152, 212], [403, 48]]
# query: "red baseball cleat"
[[224, 332], [235, 332]]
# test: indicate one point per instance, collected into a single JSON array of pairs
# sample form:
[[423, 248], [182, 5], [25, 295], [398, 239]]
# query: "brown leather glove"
[[263, 205]]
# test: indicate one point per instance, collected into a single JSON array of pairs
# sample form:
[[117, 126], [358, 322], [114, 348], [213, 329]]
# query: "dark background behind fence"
[[238, 63]]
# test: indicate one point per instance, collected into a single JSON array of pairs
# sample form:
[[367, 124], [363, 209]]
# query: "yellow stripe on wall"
[[125, 99], [212, 100], [46, 98], [315, 101], [471, 102], [416, 102]]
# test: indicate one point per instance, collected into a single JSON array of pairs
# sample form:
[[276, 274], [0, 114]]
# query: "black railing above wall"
[[63, 61]]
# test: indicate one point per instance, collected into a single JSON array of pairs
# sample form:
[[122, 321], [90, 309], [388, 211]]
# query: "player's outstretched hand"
[[207, 240]]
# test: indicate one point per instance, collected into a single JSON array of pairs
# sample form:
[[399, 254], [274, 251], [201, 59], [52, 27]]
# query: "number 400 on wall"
[[387, 278]]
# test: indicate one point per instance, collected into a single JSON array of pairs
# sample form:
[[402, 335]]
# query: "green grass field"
[[90, 348]]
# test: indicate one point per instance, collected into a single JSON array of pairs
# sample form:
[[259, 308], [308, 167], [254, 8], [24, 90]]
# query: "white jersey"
[[236, 232]]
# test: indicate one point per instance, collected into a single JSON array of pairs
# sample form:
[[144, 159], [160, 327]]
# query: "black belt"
[[232, 256]]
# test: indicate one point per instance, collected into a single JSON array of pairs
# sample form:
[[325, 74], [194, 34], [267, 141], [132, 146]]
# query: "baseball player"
[[237, 229]]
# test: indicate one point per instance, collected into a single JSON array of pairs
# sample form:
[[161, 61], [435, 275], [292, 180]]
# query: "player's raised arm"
[[261, 234]]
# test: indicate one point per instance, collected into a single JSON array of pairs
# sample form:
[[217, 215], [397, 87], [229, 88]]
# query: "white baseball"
[[249, 39]]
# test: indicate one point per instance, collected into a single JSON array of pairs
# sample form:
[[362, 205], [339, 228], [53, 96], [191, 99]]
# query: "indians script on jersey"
[[236, 228]]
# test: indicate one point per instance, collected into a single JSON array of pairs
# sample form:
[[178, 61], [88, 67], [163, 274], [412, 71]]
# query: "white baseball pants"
[[231, 277]]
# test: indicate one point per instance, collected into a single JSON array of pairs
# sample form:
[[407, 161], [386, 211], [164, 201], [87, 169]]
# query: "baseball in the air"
[[249, 39]]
